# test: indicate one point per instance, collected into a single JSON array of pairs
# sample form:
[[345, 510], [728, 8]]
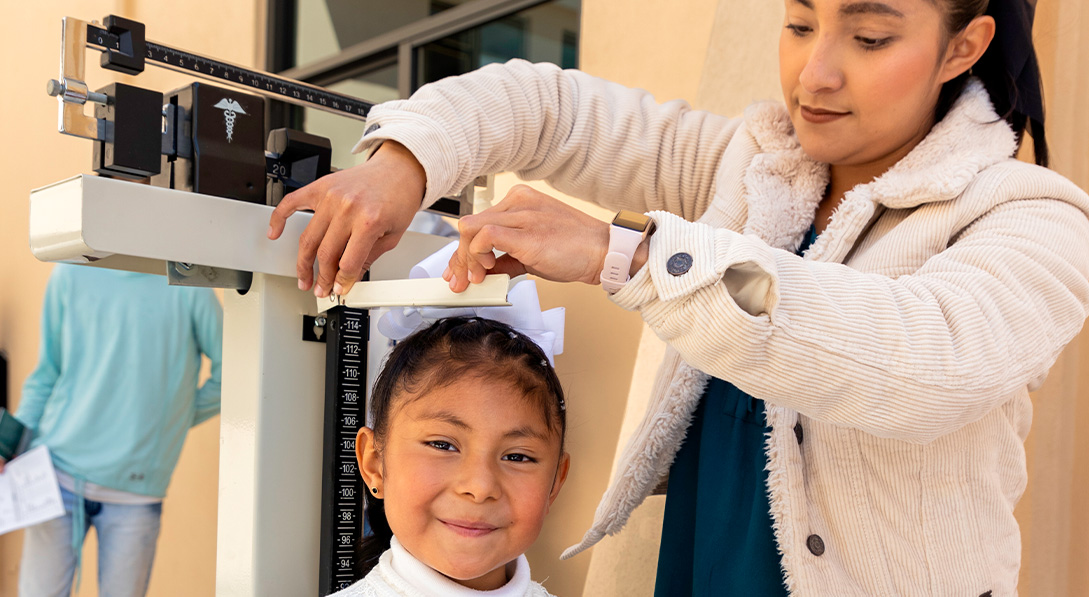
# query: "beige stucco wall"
[[718, 55], [34, 154], [1054, 519]]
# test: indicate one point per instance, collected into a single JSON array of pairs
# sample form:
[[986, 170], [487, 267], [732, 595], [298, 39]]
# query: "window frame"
[[397, 45]]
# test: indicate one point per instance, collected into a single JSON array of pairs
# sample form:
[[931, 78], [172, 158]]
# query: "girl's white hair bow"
[[524, 313]]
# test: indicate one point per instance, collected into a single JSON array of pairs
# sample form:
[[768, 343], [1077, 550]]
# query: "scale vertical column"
[[342, 498], [271, 439]]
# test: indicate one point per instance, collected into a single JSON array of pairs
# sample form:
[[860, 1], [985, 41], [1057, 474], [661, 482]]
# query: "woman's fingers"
[[474, 255], [309, 241], [359, 213], [538, 234], [508, 265], [329, 255], [291, 203], [359, 255]]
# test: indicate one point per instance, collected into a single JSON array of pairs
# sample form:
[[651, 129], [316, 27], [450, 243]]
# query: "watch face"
[[631, 220]]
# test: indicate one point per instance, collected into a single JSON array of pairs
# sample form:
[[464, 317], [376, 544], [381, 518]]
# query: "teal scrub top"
[[717, 536]]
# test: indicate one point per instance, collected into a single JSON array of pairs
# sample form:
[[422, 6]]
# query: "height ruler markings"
[[288, 90], [342, 487]]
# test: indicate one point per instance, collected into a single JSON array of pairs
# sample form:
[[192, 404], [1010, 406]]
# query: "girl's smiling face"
[[861, 78], [467, 472]]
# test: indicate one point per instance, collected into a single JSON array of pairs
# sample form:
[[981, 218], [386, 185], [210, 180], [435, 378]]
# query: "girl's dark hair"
[[1002, 85], [450, 349]]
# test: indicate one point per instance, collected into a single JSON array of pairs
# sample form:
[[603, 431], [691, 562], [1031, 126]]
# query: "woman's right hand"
[[359, 214]]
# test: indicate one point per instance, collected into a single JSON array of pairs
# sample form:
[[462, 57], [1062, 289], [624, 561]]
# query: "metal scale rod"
[[288, 90]]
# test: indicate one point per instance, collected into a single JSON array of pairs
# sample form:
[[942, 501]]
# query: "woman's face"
[[861, 78], [467, 472]]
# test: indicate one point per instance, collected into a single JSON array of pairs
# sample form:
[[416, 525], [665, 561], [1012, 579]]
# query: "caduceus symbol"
[[231, 109]]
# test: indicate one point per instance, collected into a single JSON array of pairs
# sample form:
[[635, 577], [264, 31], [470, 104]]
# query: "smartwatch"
[[628, 229]]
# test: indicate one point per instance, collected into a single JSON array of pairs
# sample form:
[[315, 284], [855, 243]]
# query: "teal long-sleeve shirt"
[[115, 390]]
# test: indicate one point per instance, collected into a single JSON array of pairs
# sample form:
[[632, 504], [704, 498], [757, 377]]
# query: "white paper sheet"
[[29, 493]]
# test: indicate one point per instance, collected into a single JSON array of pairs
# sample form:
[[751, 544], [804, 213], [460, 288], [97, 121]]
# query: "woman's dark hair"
[[1009, 91], [455, 348]]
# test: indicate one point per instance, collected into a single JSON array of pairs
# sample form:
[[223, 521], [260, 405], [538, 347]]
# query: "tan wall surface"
[[657, 45], [1054, 519], [34, 154], [729, 60]]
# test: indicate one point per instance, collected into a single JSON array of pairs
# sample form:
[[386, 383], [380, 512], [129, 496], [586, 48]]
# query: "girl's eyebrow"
[[450, 418], [445, 417], [526, 431]]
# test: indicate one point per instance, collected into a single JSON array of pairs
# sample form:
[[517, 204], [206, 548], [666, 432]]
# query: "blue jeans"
[[126, 549]]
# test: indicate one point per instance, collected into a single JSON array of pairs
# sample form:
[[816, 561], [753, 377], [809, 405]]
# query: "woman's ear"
[[370, 462], [561, 477], [967, 47]]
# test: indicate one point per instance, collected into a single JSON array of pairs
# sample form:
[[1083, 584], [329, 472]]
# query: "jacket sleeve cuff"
[[685, 257], [435, 150]]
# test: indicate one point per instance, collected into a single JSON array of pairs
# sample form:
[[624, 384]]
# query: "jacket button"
[[679, 264], [798, 431], [815, 544]]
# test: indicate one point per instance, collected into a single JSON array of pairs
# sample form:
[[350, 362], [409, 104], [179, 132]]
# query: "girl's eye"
[[518, 458], [441, 445], [872, 43], [799, 30]]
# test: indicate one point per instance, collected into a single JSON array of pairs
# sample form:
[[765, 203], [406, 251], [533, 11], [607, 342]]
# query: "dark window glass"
[[570, 54], [376, 86], [325, 27], [544, 33], [547, 32]]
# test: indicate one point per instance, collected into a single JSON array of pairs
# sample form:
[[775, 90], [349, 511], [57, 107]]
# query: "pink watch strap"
[[623, 243]]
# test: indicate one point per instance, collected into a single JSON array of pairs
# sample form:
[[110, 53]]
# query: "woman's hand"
[[359, 214], [539, 234]]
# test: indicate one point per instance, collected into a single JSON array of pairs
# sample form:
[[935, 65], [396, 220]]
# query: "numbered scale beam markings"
[[342, 514], [288, 90]]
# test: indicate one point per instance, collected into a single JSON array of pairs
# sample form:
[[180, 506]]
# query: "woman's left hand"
[[539, 235]]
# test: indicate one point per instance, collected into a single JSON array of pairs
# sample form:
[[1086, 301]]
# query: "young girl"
[[462, 462], [846, 421]]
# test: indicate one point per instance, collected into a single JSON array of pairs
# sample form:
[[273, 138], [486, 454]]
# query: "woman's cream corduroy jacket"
[[903, 344]]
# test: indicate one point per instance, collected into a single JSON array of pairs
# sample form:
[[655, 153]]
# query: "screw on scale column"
[[74, 92]]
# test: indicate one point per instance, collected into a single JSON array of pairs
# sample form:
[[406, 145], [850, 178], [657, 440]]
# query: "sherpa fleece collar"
[[785, 185]]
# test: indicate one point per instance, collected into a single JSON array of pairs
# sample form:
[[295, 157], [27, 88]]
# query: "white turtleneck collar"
[[406, 569]]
